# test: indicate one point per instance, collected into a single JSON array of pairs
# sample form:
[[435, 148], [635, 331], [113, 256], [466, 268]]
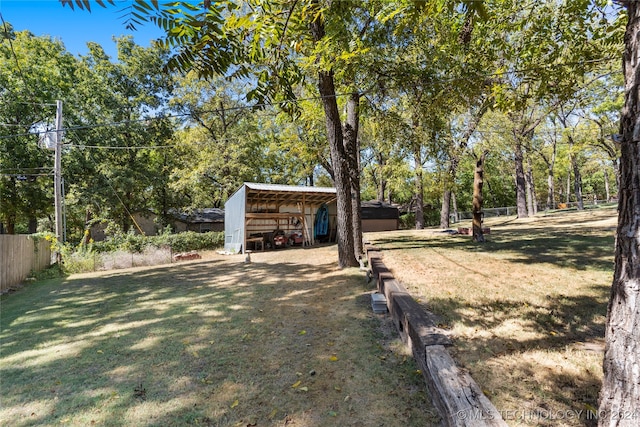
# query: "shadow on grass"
[[560, 323], [564, 249], [207, 343]]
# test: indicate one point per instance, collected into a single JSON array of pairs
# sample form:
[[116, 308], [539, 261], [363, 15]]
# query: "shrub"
[[127, 250], [189, 241]]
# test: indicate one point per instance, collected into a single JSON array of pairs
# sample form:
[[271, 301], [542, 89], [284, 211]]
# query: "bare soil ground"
[[286, 340], [526, 309]]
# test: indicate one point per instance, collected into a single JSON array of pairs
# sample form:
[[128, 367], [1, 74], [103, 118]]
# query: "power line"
[[119, 147], [26, 174]]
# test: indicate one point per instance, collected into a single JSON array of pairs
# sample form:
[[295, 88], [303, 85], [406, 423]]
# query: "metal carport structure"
[[256, 208]]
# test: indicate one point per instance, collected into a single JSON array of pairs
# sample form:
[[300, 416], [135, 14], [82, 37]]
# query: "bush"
[[189, 241], [431, 219], [79, 262], [179, 242], [407, 221], [127, 250]]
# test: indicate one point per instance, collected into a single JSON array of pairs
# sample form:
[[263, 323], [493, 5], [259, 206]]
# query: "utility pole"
[[57, 180]]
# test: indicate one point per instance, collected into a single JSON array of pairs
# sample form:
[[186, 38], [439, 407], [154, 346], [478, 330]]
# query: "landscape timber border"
[[454, 393]]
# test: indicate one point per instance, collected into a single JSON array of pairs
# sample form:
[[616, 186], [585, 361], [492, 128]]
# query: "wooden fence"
[[20, 255]]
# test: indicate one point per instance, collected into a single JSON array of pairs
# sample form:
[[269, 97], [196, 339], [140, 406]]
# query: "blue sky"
[[74, 27]]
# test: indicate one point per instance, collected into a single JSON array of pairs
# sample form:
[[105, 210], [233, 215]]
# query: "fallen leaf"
[[333, 358], [302, 332], [100, 352], [296, 384], [304, 389], [235, 403]]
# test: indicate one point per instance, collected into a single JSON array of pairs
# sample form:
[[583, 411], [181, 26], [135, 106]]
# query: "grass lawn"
[[288, 339], [526, 309]]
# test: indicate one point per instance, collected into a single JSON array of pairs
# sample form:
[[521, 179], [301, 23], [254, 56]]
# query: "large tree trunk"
[[521, 198], [445, 210], [478, 182], [620, 393], [339, 160], [352, 149]]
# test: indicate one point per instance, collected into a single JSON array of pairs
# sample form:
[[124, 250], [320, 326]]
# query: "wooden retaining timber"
[[454, 393]]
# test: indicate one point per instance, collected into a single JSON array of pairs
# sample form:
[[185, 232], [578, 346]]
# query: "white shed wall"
[[234, 211]]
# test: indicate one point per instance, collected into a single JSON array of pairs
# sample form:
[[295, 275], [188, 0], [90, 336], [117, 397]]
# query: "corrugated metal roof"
[[280, 195], [293, 188]]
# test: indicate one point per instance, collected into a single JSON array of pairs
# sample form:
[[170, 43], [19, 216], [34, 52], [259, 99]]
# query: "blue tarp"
[[322, 221]]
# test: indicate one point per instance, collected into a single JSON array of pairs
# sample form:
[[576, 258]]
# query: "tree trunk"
[[577, 183], [577, 178], [616, 170], [606, 186], [419, 197], [620, 393], [382, 181], [445, 210], [352, 150], [551, 184], [568, 193], [339, 160], [478, 182], [33, 225], [532, 199], [551, 196], [521, 199], [454, 203], [382, 189]]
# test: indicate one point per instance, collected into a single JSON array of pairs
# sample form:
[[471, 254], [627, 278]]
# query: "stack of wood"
[[186, 256]]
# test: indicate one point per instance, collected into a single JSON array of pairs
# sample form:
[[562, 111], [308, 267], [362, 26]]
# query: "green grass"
[[526, 310], [214, 342]]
